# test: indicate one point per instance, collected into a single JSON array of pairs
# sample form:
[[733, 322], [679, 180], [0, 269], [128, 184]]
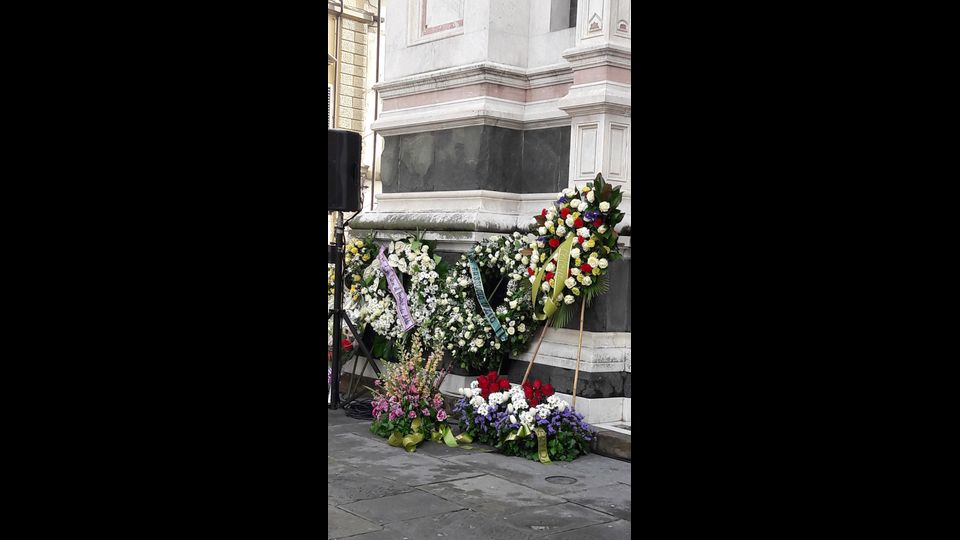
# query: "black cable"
[[360, 409]]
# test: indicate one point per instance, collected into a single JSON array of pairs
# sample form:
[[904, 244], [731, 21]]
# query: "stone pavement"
[[377, 492]]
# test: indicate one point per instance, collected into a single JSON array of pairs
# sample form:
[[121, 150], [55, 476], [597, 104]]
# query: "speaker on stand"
[[343, 195]]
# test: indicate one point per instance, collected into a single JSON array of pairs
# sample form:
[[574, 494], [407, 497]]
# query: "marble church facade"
[[489, 108]]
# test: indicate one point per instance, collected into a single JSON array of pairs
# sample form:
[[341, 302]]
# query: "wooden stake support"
[[576, 374], [535, 351]]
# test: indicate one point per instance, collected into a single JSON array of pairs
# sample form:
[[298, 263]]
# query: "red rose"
[[598, 221], [578, 223], [504, 384], [346, 345], [586, 268], [549, 276], [537, 384], [528, 392], [564, 212], [544, 213], [533, 402], [580, 239], [530, 271], [554, 242], [547, 390]]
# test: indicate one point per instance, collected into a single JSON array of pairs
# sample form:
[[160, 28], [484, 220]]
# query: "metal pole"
[[376, 107], [337, 312]]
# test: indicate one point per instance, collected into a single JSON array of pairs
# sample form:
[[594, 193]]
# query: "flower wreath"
[[576, 238], [461, 322], [419, 270]]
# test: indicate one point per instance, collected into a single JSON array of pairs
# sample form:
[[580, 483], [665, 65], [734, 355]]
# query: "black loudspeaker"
[[343, 170]]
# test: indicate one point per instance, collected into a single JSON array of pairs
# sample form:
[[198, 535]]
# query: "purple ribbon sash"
[[396, 289]]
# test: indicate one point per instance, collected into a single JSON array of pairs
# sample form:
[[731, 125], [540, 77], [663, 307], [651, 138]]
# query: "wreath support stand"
[[576, 374], [546, 324]]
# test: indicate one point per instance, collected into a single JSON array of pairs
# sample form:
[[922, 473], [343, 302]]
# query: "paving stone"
[[377, 457], [339, 417], [533, 474], [613, 469], [441, 450], [557, 518], [613, 500], [354, 484], [464, 524], [401, 507], [617, 530], [492, 495], [341, 524]]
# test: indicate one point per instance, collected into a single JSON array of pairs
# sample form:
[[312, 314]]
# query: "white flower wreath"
[[416, 266], [460, 321]]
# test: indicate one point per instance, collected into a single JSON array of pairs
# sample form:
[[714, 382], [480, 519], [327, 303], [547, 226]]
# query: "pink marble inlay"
[[509, 93], [427, 30], [602, 73]]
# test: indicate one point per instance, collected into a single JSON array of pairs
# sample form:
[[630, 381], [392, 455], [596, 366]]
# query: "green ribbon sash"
[[562, 258], [444, 435], [542, 442], [482, 298], [524, 431]]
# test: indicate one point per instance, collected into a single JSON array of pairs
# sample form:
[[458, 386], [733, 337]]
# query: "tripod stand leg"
[[356, 335]]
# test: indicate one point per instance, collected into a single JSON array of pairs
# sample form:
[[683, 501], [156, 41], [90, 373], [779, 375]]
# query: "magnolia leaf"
[[540, 219], [526, 252]]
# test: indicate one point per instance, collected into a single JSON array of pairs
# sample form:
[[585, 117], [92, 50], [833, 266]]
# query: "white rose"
[[570, 282], [561, 230], [574, 253], [604, 206], [575, 203], [569, 192], [602, 229], [467, 335], [511, 331], [575, 271], [570, 221], [587, 280], [525, 260], [424, 249], [517, 257], [462, 343], [551, 267], [602, 263], [522, 328], [568, 299], [532, 279], [542, 231], [590, 196], [548, 223], [544, 286], [584, 232], [496, 345]]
